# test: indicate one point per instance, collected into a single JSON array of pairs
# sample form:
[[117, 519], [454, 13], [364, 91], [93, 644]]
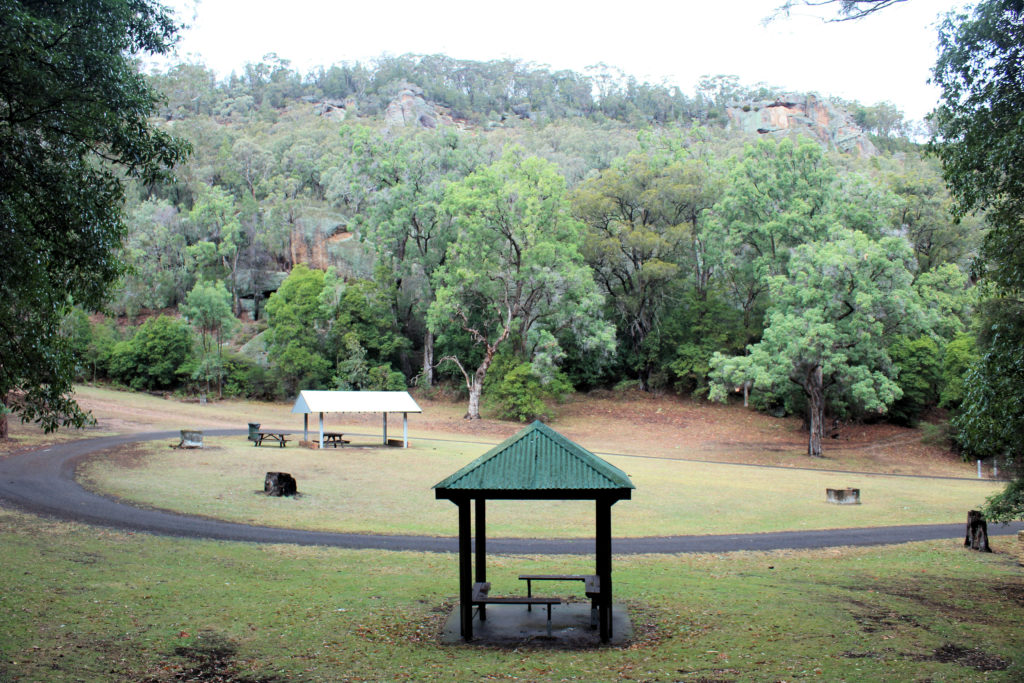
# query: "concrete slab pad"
[[513, 625]]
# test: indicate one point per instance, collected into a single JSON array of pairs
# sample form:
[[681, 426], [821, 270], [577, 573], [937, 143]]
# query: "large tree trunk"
[[428, 358], [816, 411], [476, 386]]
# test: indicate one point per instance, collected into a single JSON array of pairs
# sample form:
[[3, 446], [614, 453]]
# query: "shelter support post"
[[321, 431], [481, 547], [385, 429], [305, 426], [465, 571], [603, 550], [405, 430]]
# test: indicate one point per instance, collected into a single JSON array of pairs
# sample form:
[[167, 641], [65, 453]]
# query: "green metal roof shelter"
[[538, 463]]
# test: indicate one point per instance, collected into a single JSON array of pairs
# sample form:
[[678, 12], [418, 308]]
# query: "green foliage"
[[355, 373], [918, 364], [979, 137], [1008, 504], [833, 319], [74, 121], [991, 419], [515, 267], [647, 231], [960, 354], [155, 357], [208, 309], [245, 378], [517, 391], [294, 346], [360, 310]]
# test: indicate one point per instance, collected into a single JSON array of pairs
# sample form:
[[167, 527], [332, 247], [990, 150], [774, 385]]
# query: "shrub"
[[522, 394]]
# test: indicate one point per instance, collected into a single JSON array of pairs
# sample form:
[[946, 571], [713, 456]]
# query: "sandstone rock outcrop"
[[807, 114], [410, 108]]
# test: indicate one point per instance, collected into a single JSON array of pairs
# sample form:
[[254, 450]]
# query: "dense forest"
[[514, 234]]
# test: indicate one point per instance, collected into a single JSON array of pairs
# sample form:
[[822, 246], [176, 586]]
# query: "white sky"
[[887, 57]]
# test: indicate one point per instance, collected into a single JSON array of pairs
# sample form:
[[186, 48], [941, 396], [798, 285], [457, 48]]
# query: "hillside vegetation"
[[519, 234]]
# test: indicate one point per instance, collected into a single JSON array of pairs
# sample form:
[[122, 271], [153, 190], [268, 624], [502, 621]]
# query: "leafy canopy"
[[73, 121]]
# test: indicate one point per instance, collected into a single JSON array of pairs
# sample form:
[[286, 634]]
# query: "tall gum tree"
[[834, 315], [514, 267]]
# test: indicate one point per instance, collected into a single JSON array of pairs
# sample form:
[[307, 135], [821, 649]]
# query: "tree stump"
[[191, 438], [843, 496], [977, 532], [280, 484]]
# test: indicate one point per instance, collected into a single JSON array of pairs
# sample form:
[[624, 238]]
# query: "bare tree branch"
[[847, 10]]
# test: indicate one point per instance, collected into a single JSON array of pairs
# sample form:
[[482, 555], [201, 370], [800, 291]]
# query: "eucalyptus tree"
[[842, 302], [647, 240], [216, 218], [398, 182], [778, 196], [207, 308], [514, 269]]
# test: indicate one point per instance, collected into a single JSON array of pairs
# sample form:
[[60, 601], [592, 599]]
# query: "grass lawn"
[[388, 490], [82, 603]]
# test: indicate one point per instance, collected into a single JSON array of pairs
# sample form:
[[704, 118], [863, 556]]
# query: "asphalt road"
[[43, 482]]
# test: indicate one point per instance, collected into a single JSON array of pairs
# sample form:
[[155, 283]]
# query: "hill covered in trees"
[[522, 232]]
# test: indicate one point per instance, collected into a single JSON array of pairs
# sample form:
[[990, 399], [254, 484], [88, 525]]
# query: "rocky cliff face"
[[409, 108], [807, 114]]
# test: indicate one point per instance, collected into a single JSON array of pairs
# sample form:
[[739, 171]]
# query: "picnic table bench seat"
[[482, 599], [591, 587], [281, 438]]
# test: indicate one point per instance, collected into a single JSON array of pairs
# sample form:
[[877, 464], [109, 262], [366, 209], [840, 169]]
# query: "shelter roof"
[[355, 402], [537, 459]]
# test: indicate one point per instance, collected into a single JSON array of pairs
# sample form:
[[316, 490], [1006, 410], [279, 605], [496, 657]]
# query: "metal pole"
[[305, 427], [385, 429], [405, 430], [321, 431]]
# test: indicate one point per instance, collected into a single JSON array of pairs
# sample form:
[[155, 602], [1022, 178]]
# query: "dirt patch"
[[973, 658], [210, 657], [1010, 591], [629, 422], [871, 619]]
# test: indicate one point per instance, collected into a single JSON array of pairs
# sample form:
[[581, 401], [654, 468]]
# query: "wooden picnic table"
[[334, 439], [280, 437]]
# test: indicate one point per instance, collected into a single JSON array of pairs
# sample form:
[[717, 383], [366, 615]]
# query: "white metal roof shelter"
[[356, 402]]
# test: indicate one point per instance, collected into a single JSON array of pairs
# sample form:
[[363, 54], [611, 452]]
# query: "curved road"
[[43, 482]]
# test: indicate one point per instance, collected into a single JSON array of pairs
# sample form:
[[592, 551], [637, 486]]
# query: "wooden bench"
[[279, 437], [591, 586], [481, 598]]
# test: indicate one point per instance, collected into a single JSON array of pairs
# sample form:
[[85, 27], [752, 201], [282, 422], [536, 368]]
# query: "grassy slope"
[[87, 604], [81, 603]]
